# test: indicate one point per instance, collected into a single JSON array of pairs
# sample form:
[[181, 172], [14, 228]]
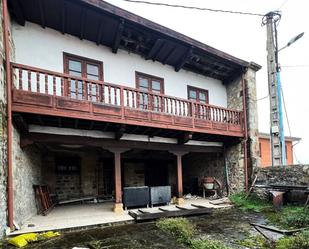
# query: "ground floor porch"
[[77, 164], [91, 215]]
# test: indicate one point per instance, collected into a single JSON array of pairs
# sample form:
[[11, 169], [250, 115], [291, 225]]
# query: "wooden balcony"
[[43, 92]]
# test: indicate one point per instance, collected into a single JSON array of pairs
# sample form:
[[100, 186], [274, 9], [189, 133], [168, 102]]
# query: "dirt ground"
[[225, 225]]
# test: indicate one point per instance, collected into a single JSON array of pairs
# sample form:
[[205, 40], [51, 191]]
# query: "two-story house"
[[101, 99]]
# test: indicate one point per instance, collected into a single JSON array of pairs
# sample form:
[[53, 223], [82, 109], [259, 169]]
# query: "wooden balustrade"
[[46, 82]]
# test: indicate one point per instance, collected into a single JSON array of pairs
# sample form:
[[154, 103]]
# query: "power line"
[[284, 3], [295, 66], [194, 7], [265, 97]]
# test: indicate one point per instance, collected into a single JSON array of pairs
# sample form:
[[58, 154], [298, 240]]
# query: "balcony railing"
[[127, 101]]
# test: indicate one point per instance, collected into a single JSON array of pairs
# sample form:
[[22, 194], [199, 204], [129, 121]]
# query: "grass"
[[298, 241], [289, 217], [252, 203], [183, 230]]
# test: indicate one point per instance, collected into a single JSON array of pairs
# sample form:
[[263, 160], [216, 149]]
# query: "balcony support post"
[[179, 155], [118, 206]]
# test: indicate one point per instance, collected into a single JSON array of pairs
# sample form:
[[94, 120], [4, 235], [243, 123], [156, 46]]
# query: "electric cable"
[[193, 7]]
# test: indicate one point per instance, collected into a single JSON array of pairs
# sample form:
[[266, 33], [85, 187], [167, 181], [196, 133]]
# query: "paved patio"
[[81, 216]]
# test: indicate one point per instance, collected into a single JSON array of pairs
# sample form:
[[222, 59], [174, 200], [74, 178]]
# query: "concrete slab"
[[81, 216], [74, 216]]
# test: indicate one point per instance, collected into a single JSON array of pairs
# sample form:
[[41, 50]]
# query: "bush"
[[299, 241], [290, 217], [298, 218], [181, 228]]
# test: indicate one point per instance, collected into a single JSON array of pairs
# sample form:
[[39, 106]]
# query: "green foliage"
[[181, 228], [257, 241], [252, 203], [299, 241], [184, 231], [290, 217], [206, 244]]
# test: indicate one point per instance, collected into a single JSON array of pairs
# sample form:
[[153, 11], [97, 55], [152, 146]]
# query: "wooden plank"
[[169, 213], [277, 230]]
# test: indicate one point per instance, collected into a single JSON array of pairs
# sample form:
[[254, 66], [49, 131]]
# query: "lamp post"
[[278, 153], [279, 92]]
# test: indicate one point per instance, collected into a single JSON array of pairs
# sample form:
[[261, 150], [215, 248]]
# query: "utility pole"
[[274, 87]]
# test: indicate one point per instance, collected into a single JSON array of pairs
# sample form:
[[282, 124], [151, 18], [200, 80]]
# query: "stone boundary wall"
[[284, 175]]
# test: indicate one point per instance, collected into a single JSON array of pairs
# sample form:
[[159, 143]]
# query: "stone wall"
[[26, 172], [3, 161], [283, 175], [72, 185], [134, 174], [235, 152], [198, 165]]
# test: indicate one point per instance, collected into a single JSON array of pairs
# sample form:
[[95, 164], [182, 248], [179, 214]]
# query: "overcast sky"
[[244, 37]]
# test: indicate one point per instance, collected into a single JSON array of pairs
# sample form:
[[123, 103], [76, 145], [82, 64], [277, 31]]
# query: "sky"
[[244, 37]]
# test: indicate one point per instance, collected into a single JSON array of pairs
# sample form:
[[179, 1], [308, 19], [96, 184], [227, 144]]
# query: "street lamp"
[[294, 39], [282, 139]]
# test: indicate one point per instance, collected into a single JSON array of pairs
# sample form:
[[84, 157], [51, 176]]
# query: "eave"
[[111, 26]]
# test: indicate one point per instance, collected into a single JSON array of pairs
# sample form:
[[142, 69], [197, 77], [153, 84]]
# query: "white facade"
[[44, 48]]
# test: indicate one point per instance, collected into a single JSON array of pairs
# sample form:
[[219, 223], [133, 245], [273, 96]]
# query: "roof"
[[287, 138], [108, 25]]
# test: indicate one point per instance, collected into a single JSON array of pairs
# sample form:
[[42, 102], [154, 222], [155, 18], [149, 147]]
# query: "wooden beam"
[[168, 56], [185, 137], [155, 48], [63, 17], [40, 120], [20, 123], [83, 17], [184, 59], [19, 16], [59, 122], [46, 138], [76, 123], [100, 32], [117, 37], [42, 13], [91, 125], [120, 132]]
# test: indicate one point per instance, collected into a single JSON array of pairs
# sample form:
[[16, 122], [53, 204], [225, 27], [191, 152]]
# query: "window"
[[68, 165], [86, 68], [201, 96], [260, 148], [152, 84], [198, 94]]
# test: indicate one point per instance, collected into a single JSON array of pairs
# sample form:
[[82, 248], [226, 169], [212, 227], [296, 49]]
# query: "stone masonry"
[[198, 165], [3, 161], [235, 152], [283, 175], [26, 172]]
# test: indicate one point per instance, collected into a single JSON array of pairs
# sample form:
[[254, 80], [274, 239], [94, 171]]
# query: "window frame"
[[149, 77], [66, 159], [198, 90], [84, 61]]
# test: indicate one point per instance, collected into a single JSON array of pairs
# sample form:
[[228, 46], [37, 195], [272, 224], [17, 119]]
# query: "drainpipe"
[[244, 101], [9, 113]]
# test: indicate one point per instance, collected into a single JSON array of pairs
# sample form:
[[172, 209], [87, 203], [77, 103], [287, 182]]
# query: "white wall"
[[44, 48]]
